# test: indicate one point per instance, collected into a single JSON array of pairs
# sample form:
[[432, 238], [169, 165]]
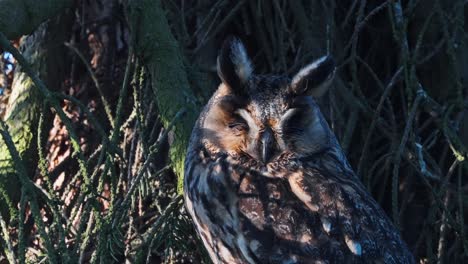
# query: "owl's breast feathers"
[[308, 210]]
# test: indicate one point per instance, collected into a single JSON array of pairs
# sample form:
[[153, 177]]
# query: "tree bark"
[[21, 17], [160, 52], [46, 53]]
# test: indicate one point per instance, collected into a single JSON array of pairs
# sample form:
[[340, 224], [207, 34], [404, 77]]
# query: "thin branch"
[[95, 80]]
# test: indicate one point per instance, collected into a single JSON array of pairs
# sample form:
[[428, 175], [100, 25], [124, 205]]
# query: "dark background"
[[107, 172]]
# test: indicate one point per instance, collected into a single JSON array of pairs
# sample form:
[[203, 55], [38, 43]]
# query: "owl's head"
[[263, 116]]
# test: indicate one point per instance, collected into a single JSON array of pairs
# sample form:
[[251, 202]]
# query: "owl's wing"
[[319, 213], [347, 212], [211, 200]]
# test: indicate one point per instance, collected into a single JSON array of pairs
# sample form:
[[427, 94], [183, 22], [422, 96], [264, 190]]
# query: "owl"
[[266, 180]]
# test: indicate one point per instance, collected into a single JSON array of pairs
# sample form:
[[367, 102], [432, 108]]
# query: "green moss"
[[21, 17], [163, 59]]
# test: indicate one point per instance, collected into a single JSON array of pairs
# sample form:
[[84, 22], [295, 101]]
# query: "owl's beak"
[[268, 146]]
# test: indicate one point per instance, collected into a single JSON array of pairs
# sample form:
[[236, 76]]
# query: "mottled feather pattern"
[[267, 182], [280, 227]]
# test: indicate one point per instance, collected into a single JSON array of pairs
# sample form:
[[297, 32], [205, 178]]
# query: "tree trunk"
[[46, 53], [21, 17], [155, 44]]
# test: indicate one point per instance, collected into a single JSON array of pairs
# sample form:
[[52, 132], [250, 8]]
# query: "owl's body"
[[266, 181]]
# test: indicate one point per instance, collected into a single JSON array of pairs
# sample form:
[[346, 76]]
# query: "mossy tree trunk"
[[46, 52], [21, 17], [160, 52]]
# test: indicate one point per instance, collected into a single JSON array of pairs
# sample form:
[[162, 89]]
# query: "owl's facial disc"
[[264, 116], [264, 128]]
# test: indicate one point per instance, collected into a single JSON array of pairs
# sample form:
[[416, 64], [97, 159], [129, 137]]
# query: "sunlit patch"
[[254, 245], [326, 224], [287, 115], [306, 238], [306, 70], [250, 121], [217, 169], [239, 57], [242, 244], [354, 246], [226, 254], [272, 122], [298, 188]]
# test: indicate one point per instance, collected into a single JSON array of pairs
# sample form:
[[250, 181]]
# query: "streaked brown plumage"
[[266, 180]]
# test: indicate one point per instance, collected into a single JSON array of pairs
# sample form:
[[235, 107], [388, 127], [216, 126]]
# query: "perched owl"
[[266, 180]]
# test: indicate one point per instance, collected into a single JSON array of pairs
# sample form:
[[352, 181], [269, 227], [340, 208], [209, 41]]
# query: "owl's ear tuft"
[[234, 66], [315, 78]]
